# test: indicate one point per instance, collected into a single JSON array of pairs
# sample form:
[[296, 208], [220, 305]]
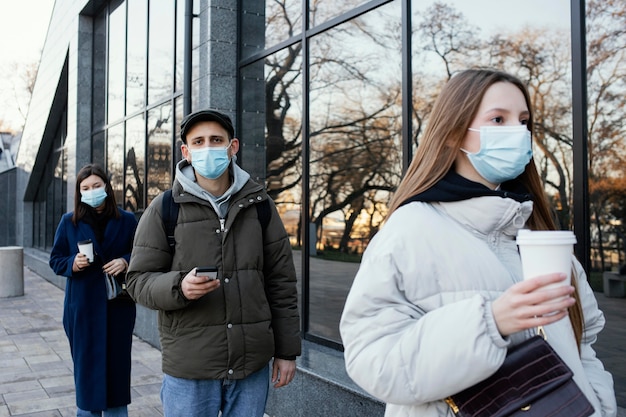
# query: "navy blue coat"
[[99, 331]]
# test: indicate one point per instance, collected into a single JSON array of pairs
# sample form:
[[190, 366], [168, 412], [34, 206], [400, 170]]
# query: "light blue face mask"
[[504, 152], [94, 197], [210, 162]]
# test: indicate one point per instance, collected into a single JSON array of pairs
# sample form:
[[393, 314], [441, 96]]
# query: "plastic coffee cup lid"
[[545, 237]]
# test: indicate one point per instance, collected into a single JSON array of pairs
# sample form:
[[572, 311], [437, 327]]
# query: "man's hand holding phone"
[[199, 281], [207, 271]]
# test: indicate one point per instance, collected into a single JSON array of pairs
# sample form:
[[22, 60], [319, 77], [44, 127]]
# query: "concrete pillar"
[[11, 271]]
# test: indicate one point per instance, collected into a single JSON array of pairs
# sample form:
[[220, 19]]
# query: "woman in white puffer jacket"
[[439, 296]]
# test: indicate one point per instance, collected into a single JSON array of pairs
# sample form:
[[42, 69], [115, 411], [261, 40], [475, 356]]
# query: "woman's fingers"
[[535, 302]]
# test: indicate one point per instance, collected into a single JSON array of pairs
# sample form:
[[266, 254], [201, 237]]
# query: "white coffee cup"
[[545, 252], [86, 247]]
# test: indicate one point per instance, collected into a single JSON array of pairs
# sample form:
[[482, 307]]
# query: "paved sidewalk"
[[36, 371]]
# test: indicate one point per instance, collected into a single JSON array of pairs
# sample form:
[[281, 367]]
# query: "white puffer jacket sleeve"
[[398, 351]]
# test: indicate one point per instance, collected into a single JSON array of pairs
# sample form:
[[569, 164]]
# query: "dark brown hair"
[[453, 112], [80, 209]]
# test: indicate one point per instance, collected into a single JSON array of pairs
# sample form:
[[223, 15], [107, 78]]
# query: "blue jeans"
[[207, 397], [111, 412]]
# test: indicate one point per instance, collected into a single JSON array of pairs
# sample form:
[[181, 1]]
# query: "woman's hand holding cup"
[[533, 302]]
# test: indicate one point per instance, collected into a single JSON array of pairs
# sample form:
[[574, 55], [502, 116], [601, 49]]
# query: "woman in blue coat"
[[99, 330]]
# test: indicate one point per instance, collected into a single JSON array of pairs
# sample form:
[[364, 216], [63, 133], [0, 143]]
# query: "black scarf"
[[454, 187], [97, 221]]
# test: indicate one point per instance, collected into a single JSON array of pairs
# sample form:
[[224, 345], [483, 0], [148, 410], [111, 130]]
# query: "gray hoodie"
[[185, 175]]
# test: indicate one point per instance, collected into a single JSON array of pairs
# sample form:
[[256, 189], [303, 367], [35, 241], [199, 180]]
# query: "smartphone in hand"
[[207, 271]]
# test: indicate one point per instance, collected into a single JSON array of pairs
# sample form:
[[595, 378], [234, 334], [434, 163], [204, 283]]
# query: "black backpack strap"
[[169, 214], [264, 213]]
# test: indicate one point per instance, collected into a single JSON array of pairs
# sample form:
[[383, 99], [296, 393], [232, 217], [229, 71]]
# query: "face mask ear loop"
[[472, 130]]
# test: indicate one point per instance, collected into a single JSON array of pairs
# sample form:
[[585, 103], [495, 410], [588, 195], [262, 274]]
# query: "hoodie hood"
[[186, 176], [454, 187]]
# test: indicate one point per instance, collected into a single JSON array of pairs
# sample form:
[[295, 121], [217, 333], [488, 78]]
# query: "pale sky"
[[512, 14], [23, 28]]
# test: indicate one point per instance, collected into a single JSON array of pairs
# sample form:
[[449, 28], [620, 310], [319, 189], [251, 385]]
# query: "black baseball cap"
[[206, 116]]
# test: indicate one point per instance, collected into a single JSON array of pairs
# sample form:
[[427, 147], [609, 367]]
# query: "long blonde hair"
[[452, 114]]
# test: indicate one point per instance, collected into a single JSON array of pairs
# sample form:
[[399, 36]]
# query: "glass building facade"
[[330, 100]]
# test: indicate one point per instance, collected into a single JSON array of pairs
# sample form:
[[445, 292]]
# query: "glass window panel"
[[99, 69], [180, 45], [272, 111], [268, 23], [272, 98], [117, 55], [160, 123], [178, 104], [136, 63], [355, 151], [115, 160], [606, 75], [322, 10], [606, 141], [456, 35], [161, 50], [49, 202], [59, 187], [450, 37], [135, 164], [49, 221]]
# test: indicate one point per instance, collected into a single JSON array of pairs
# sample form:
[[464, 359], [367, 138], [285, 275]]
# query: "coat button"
[[230, 325], [226, 280], [230, 372]]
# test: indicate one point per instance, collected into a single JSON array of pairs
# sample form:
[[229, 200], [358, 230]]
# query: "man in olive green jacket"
[[218, 336]]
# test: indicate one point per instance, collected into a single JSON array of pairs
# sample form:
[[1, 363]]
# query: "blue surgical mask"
[[210, 162], [504, 152], [94, 197]]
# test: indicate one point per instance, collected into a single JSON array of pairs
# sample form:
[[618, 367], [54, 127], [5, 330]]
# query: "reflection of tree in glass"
[[355, 127], [444, 42], [159, 151], [606, 83], [115, 160], [134, 193], [283, 19], [283, 134], [323, 10], [357, 162], [541, 58], [445, 32], [351, 170]]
